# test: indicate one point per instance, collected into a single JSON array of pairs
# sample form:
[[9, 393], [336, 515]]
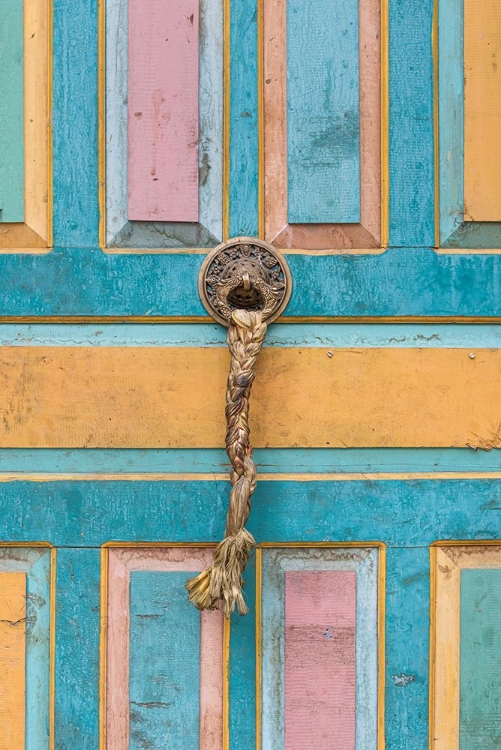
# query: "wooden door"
[[360, 138]]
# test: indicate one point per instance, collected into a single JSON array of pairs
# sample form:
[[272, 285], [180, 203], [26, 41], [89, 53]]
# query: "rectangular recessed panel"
[[164, 658], [11, 112], [164, 662], [323, 113], [163, 110], [318, 637], [12, 660], [480, 673], [482, 110], [320, 626]]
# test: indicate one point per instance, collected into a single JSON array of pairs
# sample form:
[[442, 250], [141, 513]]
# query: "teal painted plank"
[[75, 126], [77, 647], [38, 613], [398, 512], [243, 178], [407, 644], [268, 460], [480, 676], [242, 718], [323, 113], [164, 678], [11, 112], [90, 282], [411, 143], [288, 334], [451, 116]]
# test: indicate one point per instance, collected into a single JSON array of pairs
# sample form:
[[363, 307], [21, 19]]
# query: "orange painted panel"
[[313, 397], [482, 116], [12, 660]]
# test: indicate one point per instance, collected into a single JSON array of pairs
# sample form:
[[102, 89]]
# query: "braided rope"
[[222, 581]]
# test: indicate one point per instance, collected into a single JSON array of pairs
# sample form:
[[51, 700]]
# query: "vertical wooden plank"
[[11, 112], [243, 145], [407, 638], [482, 110], [451, 116], [320, 623], [323, 113], [480, 675], [77, 648], [163, 110], [164, 675], [12, 660]]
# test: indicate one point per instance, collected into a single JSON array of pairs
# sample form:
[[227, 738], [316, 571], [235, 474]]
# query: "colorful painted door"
[[361, 139]]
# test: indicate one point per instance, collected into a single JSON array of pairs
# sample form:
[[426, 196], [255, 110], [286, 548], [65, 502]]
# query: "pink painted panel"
[[121, 562], [320, 624], [163, 110]]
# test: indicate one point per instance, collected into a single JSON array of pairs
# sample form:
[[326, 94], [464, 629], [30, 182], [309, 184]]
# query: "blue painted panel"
[[398, 512], [77, 647], [268, 460], [38, 613], [451, 115], [242, 719], [398, 335], [480, 678], [164, 681], [75, 119], [411, 144], [11, 112], [243, 219], [407, 644], [323, 113], [90, 282]]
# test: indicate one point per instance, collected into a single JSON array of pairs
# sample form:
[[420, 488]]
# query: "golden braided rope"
[[222, 581]]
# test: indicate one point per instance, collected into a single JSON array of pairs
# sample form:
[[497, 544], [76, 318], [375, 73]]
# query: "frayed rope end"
[[222, 581]]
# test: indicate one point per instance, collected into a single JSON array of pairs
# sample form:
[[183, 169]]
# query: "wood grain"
[[143, 397], [482, 110], [321, 236], [12, 660], [163, 110]]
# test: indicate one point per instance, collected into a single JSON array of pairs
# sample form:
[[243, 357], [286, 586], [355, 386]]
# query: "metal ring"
[[248, 273]]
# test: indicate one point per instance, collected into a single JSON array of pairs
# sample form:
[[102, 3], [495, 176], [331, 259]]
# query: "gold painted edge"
[[278, 477], [197, 319]]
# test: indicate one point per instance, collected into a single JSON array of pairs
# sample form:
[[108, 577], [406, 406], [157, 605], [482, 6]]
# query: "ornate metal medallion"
[[244, 273]]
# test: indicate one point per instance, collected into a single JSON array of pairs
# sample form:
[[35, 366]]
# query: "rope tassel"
[[221, 583]]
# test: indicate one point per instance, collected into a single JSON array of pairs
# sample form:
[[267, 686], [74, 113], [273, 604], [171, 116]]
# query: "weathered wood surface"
[[149, 397], [12, 660]]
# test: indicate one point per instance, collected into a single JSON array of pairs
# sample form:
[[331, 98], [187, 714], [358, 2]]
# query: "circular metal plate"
[[247, 273]]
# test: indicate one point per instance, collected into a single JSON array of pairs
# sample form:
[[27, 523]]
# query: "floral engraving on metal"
[[244, 273]]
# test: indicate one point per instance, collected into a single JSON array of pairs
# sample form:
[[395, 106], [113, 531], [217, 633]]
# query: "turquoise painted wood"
[[164, 679], [243, 177], [77, 647], [480, 679], [11, 112], [268, 460], [323, 112]]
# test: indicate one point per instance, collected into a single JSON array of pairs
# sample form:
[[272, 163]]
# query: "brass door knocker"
[[244, 284]]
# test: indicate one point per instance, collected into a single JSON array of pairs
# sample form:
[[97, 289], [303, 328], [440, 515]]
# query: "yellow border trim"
[[173, 319], [381, 618], [278, 477]]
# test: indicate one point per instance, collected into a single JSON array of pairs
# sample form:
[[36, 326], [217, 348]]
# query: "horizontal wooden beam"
[[173, 397]]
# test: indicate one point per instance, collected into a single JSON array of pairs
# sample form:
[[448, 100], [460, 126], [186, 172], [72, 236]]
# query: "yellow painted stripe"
[[12, 660], [482, 115], [145, 397]]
